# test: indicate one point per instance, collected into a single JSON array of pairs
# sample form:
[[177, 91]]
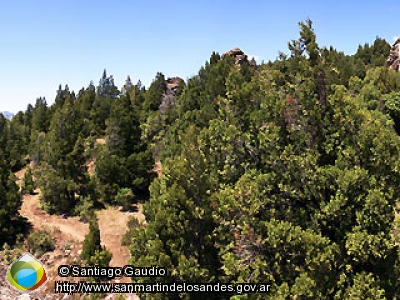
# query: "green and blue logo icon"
[[26, 274]]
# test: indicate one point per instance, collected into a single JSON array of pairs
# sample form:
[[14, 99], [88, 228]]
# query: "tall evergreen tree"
[[123, 128], [41, 116], [11, 223], [17, 143], [62, 175], [127, 161], [154, 94], [92, 240], [127, 86], [107, 88]]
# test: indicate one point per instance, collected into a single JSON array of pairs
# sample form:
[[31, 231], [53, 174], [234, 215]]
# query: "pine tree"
[[154, 94], [28, 185], [302, 197], [127, 161], [41, 116], [61, 175], [11, 223], [107, 88], [92, 252], [123, 128], [127, 86], [92, 240], [17, 145]]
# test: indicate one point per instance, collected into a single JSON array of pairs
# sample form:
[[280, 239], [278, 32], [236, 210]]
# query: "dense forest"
[[285, 173]]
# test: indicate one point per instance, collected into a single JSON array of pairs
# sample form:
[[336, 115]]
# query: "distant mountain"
[[8, 114]]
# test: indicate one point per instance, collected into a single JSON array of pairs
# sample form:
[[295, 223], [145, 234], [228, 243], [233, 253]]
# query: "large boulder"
[[393, 62], [239, 56]]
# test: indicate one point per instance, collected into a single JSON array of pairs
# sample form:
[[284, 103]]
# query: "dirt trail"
[[70, 227], [112, 223]]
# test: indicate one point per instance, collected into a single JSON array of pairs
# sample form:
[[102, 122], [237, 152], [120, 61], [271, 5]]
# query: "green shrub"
[[84, 209], [40, 242], [125, 198], [8, 254], [100, 258]]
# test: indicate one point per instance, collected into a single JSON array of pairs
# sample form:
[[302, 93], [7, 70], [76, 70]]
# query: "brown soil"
[[71, 231], [70, 227], [112, 223]]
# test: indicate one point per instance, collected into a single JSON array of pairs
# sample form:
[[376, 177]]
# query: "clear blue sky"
[[47, 43]]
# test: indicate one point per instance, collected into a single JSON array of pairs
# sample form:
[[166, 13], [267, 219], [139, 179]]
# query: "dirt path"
[[71, 227], [112, 223]]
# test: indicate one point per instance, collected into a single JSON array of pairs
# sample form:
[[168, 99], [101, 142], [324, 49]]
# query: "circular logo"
[[26, 274]]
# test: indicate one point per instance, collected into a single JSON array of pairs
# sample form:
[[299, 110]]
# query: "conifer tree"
[[41, 116], [28, 185], [127, 161], [92, 252], [17, 145], [62, 175], [302, 199], [107, 88], [154, 94], [92, 240], [127, 86], [11, 223]]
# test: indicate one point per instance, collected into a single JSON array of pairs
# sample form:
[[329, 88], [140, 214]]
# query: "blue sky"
[[47, 43]]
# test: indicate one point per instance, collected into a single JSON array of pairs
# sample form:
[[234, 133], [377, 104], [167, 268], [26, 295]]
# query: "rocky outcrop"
[[239, 56], [393, 62], [168, 100], [173, 84]]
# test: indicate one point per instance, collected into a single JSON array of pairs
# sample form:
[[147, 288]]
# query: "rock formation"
[[239, 56], [393, 62], [173, 84], [169, 100]]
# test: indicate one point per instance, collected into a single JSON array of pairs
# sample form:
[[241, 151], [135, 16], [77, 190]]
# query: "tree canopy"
[[285, 173]]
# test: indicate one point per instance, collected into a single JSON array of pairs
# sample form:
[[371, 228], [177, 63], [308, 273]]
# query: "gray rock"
[[239, 56], [393, 61]]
